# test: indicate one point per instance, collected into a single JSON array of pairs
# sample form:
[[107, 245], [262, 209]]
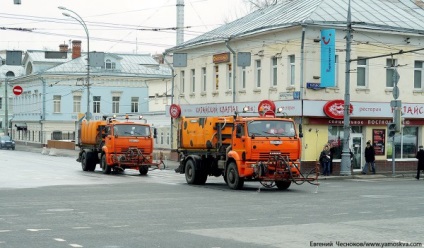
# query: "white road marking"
[[81, 227], [76, 245], [60, 209], [60, 240], [341, 214], [37, 230], [3, 231]]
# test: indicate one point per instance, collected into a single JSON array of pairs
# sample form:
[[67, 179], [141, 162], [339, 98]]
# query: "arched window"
[[109, 65]]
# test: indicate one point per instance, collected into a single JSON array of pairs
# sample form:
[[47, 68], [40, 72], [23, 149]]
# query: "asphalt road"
[[48, 201]]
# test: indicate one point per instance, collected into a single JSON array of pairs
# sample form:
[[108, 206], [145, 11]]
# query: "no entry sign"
[[17, 90]]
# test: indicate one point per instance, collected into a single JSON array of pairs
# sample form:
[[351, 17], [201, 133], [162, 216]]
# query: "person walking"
[[332, 152], [420, 157], [324, 159], [369, 158]]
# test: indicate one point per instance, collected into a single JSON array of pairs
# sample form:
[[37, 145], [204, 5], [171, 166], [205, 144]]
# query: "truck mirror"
[[155, 133], [238, 131], [300, 131]]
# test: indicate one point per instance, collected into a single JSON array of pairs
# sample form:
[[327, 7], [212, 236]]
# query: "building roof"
[[406, 16], [142, 65]]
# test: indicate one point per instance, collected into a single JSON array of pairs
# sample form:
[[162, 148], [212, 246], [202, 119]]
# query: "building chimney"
[[76, 49], [63, 48]]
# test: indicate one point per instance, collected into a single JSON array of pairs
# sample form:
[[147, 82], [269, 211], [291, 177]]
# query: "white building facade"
[[284, 41], [54, 98]]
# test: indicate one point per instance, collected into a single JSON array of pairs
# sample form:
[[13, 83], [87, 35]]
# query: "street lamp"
[[81, 21]]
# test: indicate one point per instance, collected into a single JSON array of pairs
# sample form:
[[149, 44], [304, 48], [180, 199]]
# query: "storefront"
[[368, 122]]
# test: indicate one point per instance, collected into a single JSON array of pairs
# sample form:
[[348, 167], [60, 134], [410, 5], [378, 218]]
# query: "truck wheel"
[[84, 161], [233, 179], [105, 168], [282, 185], [202, 177], [143, 170], [91, 161], [190, 172]]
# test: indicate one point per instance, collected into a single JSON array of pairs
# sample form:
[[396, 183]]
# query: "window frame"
[[365, 68], [258, 73], [274, 71], [292, 69]]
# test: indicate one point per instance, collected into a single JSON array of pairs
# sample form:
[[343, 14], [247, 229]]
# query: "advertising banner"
[[328, 57]]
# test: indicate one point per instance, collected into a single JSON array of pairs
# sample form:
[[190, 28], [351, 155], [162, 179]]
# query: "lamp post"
[[79, 19]]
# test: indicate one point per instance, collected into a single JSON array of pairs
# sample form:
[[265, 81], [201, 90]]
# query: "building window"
[[168, 138], [229, 77], [109, 65], [115, 104], [96, 104], [274, 71], [77, 104], [243, 78], [182, 82], [362, 72], [134, 104], [258, 69], [292, 70], [193, 80], [1, 102], [203, 79], [406, 143], [335, 138], [216, 76], [390, 70], [56, 104], [161, 138], [418, 75]]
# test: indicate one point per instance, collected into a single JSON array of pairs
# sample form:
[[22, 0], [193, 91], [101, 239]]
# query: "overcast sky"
[[113, 24]]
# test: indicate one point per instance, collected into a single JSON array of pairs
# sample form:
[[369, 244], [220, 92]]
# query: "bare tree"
[[259, 4], [249, 6]]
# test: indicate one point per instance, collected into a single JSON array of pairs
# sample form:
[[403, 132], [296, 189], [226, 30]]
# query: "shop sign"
[[175, 111], [335, 109], [221, 58]]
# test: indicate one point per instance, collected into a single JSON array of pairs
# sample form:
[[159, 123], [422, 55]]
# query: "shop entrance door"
[[356, 145]]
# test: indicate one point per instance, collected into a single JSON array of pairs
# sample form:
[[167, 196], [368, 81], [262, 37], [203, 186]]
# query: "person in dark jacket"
[[420, 157], [369, 158], [324, 158]]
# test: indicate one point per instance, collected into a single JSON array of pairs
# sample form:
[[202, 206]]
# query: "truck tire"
[[105, 168], [190, 172], [84, 161], [283, 185], [234, 181], [91, 161], [143, 170]]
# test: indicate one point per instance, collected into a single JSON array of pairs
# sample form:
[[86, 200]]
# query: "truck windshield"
[[131, 130], [263, 128]]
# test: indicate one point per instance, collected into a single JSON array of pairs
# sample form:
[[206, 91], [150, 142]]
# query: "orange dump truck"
[[263, 148], [116, 145]]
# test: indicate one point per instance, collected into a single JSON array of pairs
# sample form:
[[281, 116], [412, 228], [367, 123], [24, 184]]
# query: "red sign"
[[175, 111], [335, 109], [17, 90], [265, 107]]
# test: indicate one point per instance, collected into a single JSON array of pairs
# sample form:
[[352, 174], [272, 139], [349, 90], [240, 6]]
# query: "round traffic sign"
[[17, 90], [395, 92]]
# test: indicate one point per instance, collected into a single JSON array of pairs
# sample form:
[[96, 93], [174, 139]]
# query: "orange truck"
[[261, 148], [116, 145]]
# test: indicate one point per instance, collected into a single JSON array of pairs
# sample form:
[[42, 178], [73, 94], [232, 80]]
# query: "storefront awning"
[[21, 126]]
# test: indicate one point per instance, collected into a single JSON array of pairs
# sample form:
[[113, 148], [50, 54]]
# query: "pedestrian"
[[369, 158], [420, 157], [324, 159], [332, 152]]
